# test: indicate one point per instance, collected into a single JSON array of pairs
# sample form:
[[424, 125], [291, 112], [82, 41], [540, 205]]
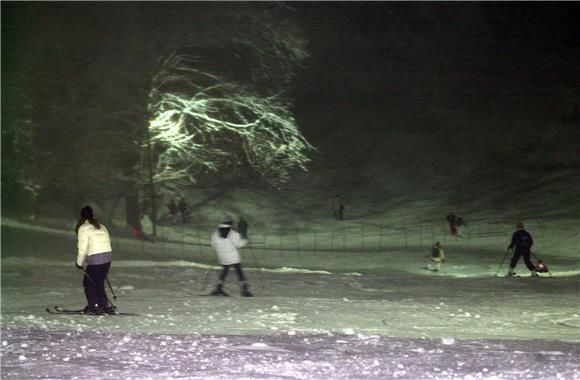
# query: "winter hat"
[[87, 213], [520, 225], [227, 223]]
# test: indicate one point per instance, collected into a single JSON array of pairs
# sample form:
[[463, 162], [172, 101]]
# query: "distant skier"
[[184, 210], [437, 257], [172, 207], [226, 242], [338, 208], [243, 227], [522, 243], [94, 248], [452, 220]]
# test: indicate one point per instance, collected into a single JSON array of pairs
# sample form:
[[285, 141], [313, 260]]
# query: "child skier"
[[437, 257], [226, 242]]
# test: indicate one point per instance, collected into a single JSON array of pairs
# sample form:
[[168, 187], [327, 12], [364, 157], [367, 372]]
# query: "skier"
[[226, 242], [243, 227], [184, 210], [452, 220], [522, 242], [172, 207], [437, 257], [338, 208], [94, 248]]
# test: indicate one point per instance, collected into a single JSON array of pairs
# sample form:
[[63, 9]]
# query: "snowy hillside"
[[327, 304]]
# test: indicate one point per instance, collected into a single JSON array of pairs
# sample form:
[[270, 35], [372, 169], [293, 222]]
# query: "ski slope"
[[315, 315]]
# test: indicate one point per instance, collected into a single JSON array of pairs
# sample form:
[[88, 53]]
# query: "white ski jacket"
[[94, 246], [227, 248]]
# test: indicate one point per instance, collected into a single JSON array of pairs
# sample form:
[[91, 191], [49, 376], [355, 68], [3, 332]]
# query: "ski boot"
[[93, 310], [244, 291], [219, 291], [110, 309]]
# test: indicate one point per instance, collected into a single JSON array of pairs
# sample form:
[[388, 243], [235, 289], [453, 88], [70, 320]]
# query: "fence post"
[[381, 236], [297, 242], [315, 240], [343, 238], [362, 232]]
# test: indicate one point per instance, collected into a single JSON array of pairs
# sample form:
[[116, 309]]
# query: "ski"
[[60, 310]]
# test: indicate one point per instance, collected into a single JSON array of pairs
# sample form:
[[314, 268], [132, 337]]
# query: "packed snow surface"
[[315, 315]]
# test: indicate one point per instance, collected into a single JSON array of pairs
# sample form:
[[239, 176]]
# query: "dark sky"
[[418, 79]]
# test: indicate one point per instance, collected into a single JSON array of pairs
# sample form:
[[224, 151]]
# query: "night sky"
[[448, 88], [431, 77]]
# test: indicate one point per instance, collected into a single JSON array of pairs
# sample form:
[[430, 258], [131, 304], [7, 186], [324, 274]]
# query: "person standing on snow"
[[94, 248], [338, 208], [522, 242], [172, 207], [226, 242], [184, 210], [437, 257], [452, 220]]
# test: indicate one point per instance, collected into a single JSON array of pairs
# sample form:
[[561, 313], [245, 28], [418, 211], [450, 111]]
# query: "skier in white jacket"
[[226, 241], [94, 249]]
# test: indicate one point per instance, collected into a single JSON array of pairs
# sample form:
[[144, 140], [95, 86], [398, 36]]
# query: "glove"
[[78, 266]]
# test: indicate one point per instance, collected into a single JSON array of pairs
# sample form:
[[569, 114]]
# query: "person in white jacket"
[[226, 241], [94, 250]]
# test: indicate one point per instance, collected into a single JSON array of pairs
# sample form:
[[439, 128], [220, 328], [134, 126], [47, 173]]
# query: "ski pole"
[[507, 251], [89, 277], [110, 287], [251, 251], [204, 285]]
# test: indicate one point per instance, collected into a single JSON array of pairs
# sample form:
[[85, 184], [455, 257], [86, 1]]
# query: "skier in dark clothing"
[[243, 227], [452, 220], [184, 210], [338, 208], [172, 207], [522, 244]]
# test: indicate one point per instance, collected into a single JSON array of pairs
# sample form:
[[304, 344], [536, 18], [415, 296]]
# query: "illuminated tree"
[[204, 116], [219, 123], [130, 98]]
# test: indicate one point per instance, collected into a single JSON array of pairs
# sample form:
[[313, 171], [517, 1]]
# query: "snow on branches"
[[203, 116], [221, 122]]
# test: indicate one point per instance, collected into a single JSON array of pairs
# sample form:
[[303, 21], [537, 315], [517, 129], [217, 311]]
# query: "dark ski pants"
[[226, 269], [94, 284], [516, 258]]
